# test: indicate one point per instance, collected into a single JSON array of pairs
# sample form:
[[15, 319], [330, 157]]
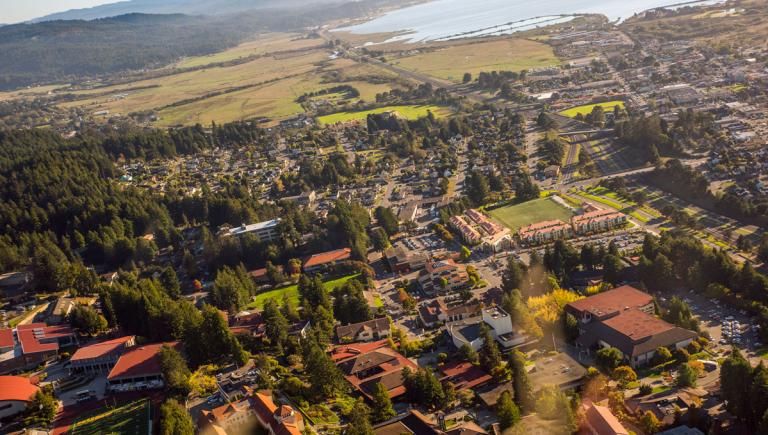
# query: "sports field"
[[129, 419], [516, 216], [501, 55], [587, 108], [407, 112], [293, 292]]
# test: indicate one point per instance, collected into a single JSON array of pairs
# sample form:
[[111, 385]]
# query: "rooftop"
[[140, 361], [253, 227], [102, 349], [351, 331], [39, 337], [611, 301], [328, 257], [16, 388]]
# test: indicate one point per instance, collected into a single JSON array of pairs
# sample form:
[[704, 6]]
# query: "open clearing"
[[292, 291], [263, 44], [500, 55], [407, 112], [516, 216], [129, 419], [587, 108]]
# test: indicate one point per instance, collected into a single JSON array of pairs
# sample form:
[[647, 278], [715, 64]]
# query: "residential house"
[[444, 275], [413, 423], [438, 312], [366, 364], [370, 330]]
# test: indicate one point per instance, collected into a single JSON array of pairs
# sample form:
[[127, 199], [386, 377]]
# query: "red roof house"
[[325, 260], [16, 393]]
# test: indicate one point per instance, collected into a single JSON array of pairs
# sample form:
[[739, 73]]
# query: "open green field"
[[129, 419], [293, 292], [500, 55], [587, 108], [267, 43], [516, 216], [407, 112]]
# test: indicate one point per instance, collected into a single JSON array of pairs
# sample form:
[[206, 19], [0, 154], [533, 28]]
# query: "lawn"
[[516, 216], [293, 292], [501, 55], [587, 109], [408, 112], [128, 419]]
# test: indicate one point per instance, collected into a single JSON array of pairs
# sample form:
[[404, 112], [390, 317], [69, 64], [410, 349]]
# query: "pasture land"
[[129, 419], [263, 44], [292, 291], [451, 63], [408, 112], [516, 216], [587, 108]]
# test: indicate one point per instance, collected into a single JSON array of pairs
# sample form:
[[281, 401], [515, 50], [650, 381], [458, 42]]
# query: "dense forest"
[[58, 51]]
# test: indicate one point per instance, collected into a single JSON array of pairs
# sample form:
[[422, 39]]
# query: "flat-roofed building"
[[598, 221], [267, 231]]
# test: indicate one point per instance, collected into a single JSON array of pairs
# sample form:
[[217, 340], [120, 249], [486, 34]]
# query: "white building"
[[266, 231]]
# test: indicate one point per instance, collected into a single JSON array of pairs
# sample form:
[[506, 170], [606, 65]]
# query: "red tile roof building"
[[599, 420], [325, 260], [138, 368], [477, 229], [435, 271], [31, 345], [464, 375], [16, 393], [368, 364], [101, 357], [277, 420], [623, 318]]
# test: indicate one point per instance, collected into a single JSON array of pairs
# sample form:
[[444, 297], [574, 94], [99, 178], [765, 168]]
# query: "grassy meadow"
[[587, 108], [408, 112], [499, 55]]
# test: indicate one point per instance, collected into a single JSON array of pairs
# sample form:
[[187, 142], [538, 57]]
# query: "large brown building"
[[623, 318]]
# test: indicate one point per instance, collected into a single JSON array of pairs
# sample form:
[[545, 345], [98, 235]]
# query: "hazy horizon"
[[13, 11]]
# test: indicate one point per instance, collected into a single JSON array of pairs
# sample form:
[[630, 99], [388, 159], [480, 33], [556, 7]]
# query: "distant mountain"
[[189, 7]]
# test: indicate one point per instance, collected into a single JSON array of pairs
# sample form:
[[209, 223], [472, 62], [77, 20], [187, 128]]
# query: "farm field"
[[408, 112], [129, 419], [587, 108], [195, 84], [292, 291], [263, 44], [516, 216], [500, 55]]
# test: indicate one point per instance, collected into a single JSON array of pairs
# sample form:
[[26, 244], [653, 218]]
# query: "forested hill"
[[189, 7], [59, 50], [69, 51]]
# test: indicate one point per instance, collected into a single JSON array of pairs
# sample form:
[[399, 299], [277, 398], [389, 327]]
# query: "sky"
[[14, 11]]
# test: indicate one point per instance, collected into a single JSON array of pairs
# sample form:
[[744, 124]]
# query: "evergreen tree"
[[170, 282], [174, 419], [735, 379], [490, 356], [359, 420], [175, 372], [513, 276], [507, 412], [520, 382], [275, 324], [382, 404], [324, 377]]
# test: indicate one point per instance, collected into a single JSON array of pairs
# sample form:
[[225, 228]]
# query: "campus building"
[[267, 231], [543, 232], [100, 357], [16, 393], [598, 221], [499, 323], [326, 260], [29, 346], [444, 275], [138, 369], [623, 318], [476, 228]]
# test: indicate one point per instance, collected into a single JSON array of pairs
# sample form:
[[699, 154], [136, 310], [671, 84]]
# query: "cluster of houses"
[[595, 221]]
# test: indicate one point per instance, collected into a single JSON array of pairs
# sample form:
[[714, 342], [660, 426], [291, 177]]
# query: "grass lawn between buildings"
[[587, 108], [293, 292], [407, 112], [129, 419], [516, 216]]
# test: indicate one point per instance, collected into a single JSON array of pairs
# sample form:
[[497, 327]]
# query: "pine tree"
[[520, 382], [382, 404], [507, 411], [490, 356]]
